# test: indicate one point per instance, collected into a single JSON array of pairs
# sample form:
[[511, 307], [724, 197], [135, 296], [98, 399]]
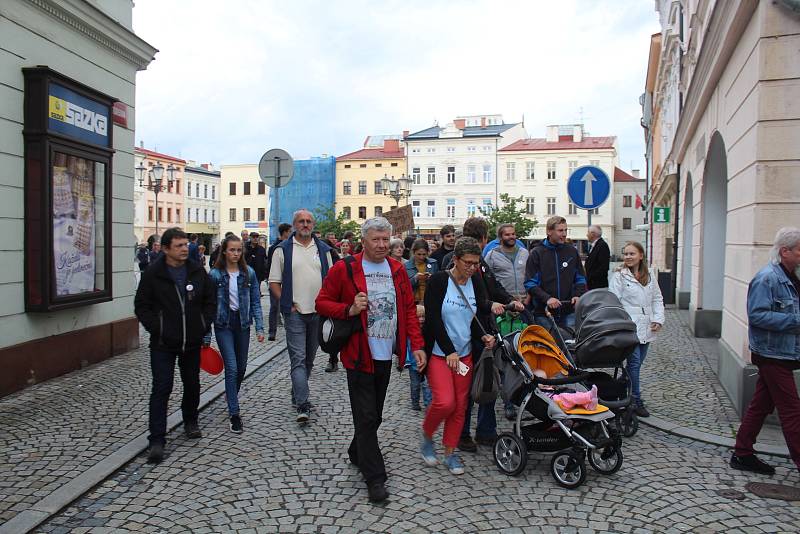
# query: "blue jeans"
[[233, 342], [419, 382], [635, 361], [302, 342], [274, 309]]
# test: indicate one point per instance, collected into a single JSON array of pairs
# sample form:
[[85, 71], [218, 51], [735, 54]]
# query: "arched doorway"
[[684, 294], [708, 317]]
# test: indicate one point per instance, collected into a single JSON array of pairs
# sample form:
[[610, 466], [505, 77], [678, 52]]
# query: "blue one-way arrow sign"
[[588, 187]]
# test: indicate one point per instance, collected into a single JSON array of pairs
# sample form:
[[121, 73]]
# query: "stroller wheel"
[[607, 460], [510, 454], [568, 468], [627, 423]]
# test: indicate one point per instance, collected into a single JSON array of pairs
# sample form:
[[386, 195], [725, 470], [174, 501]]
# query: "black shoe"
[[332, 367], [485, 440], [751, 463], [303, 413], [467, 444], [271, 338], [377, 492], [192, 430], [156, 454], [415, 406], [236, 424], [641, 411], [511, 413]]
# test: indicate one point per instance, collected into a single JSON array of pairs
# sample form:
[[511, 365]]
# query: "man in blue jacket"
[[554, 276], [773, 317]]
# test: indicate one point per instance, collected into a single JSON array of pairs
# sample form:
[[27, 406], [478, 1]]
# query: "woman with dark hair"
[[455, 302], [640, 295], [238, 304], [420, 268]]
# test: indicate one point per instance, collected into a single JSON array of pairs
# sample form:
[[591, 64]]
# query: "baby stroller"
[[604, 337], [542, 425]]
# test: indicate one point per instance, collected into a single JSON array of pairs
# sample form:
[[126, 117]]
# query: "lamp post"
[[397, 189], [155, 181]]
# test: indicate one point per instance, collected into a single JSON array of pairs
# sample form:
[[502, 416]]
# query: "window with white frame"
[[415, 210], [205, 215], [451, 208], [472, 148], [213, 216], [431, 175], [626, 223], [362, 212], [530, 205], [196, 214], [232, 214], [378, 187], [431, 208], [415, 175], [415, 151], [530, 167], [573, 209], [197, 190], [362, 187], [378, 211], [431, 150], [189, 215], [451, 174], [471, 207], [188, 189], [213, 192], [347, 188], [627, 201], [470, 174], [596, 211], [511, 171], [551, 205], [451, 149], [487, 173], [205, 190], [551, 170], [346, 212], [487, 207], [487, 148], [572, 166]]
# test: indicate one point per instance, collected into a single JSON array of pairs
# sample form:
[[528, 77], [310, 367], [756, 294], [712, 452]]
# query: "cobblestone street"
[[278, 476]]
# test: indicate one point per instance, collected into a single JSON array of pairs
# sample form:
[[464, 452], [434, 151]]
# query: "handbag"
[[485, 376], [333, 332]]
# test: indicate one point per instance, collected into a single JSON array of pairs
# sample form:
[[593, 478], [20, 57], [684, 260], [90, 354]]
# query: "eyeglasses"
[[470, 264]]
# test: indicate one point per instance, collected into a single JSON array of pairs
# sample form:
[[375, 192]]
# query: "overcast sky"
[[235, 78]]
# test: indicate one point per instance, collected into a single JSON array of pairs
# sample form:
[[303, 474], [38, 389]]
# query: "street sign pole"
[[588, 188], [275, 165]]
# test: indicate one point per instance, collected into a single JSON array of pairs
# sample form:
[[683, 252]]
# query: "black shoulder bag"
[[334, 333]]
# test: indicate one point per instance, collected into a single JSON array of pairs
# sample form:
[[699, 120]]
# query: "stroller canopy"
[[605, 335], [540, 351]]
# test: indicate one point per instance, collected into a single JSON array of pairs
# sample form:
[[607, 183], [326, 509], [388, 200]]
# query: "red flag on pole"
[[639, 203]]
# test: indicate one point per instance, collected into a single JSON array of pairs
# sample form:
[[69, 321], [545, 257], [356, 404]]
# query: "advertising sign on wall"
[[77, 116]]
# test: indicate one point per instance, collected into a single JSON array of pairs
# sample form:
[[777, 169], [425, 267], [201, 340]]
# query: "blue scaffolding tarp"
[[313, 184]]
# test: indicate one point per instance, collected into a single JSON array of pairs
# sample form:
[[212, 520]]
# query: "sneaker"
[[271, 338], [486, 440], [415, 407], [428, 451], [156, 453], [641, 411], [236, 424], [192, 430], [751, 463], [377, 492], [332, 367], [511, 413], [454, 464], [467, 444], [303, 413]]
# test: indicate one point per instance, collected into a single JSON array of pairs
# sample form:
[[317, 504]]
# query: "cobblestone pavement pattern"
[[679, 383], [281, 477], [50, 433]]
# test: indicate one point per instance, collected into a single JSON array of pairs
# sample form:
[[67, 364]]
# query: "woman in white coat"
[[639, 293]]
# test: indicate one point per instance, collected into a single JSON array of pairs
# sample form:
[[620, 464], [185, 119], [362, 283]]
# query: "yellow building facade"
[[244, 200], [359, 194]]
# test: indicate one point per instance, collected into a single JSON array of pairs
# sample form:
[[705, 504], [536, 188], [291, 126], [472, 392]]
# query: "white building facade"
[[202, 202], [538, 169], [629, 209], [453, 170]]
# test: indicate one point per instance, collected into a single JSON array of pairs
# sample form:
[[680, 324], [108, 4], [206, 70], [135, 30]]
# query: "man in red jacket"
[[380, 293]]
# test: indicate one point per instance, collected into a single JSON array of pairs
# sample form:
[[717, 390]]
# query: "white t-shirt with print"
[[382, 310]]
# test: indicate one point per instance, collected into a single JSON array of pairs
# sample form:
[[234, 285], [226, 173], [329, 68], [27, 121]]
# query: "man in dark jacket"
[[554, 276], [598, 260], [143, 257], [448, 235], [256, 257], [175, 302]]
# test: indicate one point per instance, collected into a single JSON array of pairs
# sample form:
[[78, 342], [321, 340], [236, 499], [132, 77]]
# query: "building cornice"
[[100, 28], [726, 26]]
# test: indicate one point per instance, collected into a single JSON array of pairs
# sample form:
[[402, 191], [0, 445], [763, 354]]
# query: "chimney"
[[405, 133], [552, 134], [391, 145], [141, 143], [577, 133], [483, 122], [460, 123], [205, 166], [635, 173]]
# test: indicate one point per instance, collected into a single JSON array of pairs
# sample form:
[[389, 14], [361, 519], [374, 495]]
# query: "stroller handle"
[[572, 379]]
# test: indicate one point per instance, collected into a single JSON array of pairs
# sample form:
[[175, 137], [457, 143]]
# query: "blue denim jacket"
[[773, 312], [249, 299], [431, 266]]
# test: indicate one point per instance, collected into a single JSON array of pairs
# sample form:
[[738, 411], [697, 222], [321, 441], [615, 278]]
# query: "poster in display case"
[[68, 158]]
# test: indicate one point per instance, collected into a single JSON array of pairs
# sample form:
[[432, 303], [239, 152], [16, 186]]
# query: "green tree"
[[509, 212], [328, 221]]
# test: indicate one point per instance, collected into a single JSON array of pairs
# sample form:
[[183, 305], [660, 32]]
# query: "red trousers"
[[450, 397], [775, 389]]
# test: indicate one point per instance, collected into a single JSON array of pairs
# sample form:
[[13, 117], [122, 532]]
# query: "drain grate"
[[731, 494], [774, 491]]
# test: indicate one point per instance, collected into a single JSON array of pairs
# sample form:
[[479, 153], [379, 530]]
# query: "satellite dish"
[[276, 167]]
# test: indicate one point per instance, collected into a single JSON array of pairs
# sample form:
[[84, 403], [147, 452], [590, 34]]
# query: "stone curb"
[[50, 505], [670, 427]]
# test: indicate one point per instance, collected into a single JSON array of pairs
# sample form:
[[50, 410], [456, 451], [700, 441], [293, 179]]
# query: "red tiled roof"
[[622, 176], [564, 142], [157, 155], [372, 153]]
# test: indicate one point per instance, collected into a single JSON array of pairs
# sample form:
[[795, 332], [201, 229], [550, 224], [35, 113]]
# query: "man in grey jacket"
[[508, 261]]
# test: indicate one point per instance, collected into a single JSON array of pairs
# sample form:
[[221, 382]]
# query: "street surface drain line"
[[766, 490], [76, 488]]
